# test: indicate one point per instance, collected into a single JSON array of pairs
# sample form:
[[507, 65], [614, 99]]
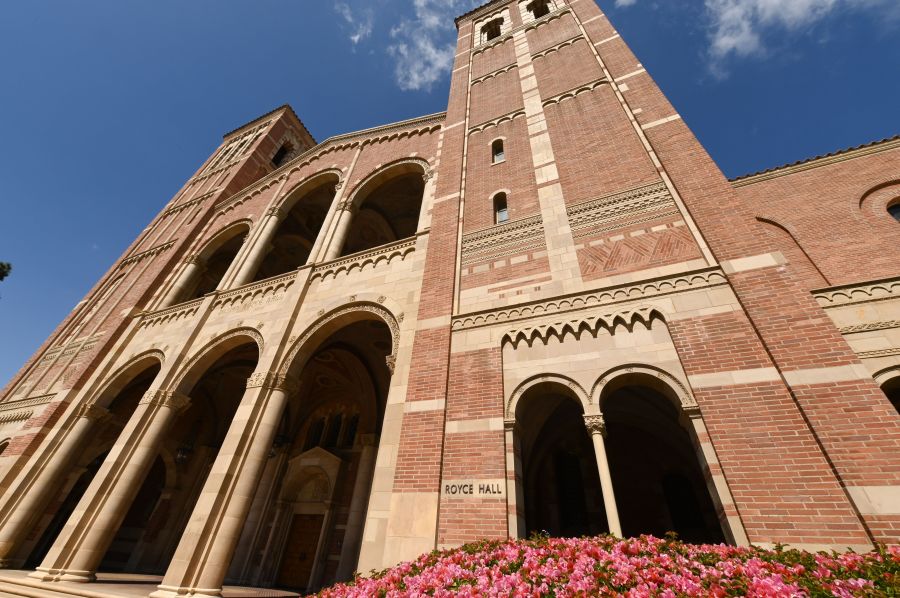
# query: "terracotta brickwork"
[[629, 288]]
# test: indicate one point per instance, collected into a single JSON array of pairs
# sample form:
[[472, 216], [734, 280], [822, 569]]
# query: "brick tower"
[[545, 309]]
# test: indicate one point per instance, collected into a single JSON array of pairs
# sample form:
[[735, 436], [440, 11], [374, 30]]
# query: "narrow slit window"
[[491, 30], [334, 431], [314, 436], [539, 8], [894, 211], [501, 213], [497, 154]]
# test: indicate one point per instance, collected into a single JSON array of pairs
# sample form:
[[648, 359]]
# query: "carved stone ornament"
[[92, 411], [426, 176], [193, 260], [391, 361], [273, 381], [166, 398], [338, 185], [277, 212], [595, 424]]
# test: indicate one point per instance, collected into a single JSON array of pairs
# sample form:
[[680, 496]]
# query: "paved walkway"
[[17, 584]]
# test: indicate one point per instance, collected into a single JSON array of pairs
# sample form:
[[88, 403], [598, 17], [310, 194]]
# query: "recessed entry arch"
[[207, 268], [386, 205]]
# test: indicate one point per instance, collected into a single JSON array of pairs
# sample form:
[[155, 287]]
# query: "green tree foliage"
[[5, 269]]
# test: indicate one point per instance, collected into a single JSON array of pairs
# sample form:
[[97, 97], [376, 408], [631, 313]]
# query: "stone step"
[[15, 590]]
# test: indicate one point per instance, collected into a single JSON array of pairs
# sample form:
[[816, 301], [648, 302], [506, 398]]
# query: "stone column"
[[345, 216], [193, 267], [357, 516], [259, 249], [514, 490], [333, 212], [597, 428], [84, 540], [34, 488], [206, 548]]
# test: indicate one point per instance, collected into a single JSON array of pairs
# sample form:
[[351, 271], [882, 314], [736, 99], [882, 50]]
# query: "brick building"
[[545, 309]]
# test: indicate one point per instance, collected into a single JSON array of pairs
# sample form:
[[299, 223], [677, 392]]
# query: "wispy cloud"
[[359, 21], [423, 45], [740, 28]]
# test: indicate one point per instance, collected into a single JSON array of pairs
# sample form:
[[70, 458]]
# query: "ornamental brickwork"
[[545, 309]]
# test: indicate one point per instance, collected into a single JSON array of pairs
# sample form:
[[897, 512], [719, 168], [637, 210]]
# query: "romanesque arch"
[[660, 482], [386, 205], [203, 272], [301, 215]]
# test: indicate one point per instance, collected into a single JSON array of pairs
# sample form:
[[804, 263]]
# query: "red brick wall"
[[493, 58], [495, 97], [565, 69]]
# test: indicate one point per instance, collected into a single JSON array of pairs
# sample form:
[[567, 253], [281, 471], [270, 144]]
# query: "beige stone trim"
[[594, 19], [422, 406], [756, 262], [876, 500], [436, 322], [607, 39], [859, 293], [661, 121], [640, 71], [734, 377], [463, 426], [844, 373]]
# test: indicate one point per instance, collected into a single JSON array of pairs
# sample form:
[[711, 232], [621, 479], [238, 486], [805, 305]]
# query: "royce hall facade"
[[545, 309]]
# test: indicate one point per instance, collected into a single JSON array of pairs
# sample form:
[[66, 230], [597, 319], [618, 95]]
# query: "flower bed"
[[644, 566]]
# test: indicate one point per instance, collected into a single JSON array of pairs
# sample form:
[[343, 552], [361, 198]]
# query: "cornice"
[[520, 235], [819, 161], [152, 252], [652, 200], [26, 403], [387, 253], [496, 121], [692, 280], [870, 326], [493, 74], [555, 47], [575, 91], [184, 205], [863, 292], [177, 312]]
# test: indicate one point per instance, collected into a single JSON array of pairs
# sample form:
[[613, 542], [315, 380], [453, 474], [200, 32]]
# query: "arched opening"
[[497, 153], [659, 485], [306, 532], [891, 388], [894, 210], [562, 491], [387, 209], [212, 264], [298, 231], [158, 516], [3, 446], [539, 8], [71, 490], [501, 211], [491, 29]]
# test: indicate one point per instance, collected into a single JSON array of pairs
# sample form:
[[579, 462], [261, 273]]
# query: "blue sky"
[[107, 106]]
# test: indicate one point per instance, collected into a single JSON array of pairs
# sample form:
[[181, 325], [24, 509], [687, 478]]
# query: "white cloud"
[[742, 27], [360, 22], [423, 45]]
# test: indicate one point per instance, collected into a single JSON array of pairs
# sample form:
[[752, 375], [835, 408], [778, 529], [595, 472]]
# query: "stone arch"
[[195, 367], [307, 343], [878, 197], [113, 384], [888, 380], [568, 385], [286, 200], [384, 173], [222, 236], [797, 256], [653, 377]]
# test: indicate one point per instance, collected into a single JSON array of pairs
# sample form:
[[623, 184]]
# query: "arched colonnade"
[[242, 464], [312, 222], [625, 457]]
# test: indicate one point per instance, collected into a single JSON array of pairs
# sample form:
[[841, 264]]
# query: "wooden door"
[[300, 551]]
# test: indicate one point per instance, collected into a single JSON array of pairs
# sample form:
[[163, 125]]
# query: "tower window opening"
[[497, 154], [501, 213], [894, 210], [284, 153], [539, 8], [334, 431], [314, 436], [491, 29]]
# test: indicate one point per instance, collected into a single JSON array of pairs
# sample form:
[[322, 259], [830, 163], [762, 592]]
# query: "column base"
[[46, 574], [176, 592]]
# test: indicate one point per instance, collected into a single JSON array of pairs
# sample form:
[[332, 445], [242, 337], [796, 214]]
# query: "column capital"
[[273, 381], [595, 424], [276, 211], [92, 412], [166, 398], [510, 425], [193, 259]]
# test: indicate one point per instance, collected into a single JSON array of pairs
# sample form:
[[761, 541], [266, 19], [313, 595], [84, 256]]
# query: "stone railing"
[[182, 311], [373, 258], [257, 294]]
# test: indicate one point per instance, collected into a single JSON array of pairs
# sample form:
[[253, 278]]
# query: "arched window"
[[491, 29], [334, 431], [350, 428], [3, 446], [894, 210], [539, 8], [314, 435], [497, 154], [284, 153], [501, 213]]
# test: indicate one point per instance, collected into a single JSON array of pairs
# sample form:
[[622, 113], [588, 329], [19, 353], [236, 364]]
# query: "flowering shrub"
[[637, 567]]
